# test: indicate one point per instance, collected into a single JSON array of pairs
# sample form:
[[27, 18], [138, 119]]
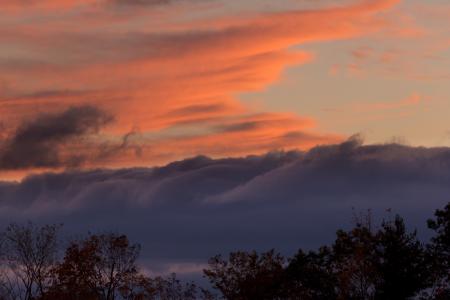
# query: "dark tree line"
[[99, 267], [386, 262]]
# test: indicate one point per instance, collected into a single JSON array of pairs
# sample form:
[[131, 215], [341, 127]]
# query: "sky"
[[178, 121], [167, 80]]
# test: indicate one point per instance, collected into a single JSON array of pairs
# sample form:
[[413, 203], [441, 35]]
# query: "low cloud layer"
[[186, 211]]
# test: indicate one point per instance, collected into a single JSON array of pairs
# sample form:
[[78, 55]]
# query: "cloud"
[[188, 210], [39, 142], [19, 6], [141, 2], [177, 80]]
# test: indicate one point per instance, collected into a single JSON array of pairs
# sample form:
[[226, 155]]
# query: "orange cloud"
[[184, 80], [20, 7]]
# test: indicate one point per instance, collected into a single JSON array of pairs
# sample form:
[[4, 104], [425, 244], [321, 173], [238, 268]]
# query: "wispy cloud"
[[159, 80]]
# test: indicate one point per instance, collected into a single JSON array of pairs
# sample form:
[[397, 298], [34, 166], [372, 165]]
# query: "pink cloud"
[[159, 82]]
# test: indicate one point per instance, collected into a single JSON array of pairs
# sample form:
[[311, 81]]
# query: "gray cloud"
[[47, 94], [189, 210], [199, 108], [36, 143], [108, 150]]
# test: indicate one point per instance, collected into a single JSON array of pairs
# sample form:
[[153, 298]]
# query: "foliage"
[[95, 268], [247, 275]]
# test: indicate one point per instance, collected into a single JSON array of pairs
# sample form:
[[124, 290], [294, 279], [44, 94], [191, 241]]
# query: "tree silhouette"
[[353, 262], [439, 253], [95, 268], [401, 262], [103, 267], [389, 263], [28, 255], [247, 275], [310, 276], [362, 263]]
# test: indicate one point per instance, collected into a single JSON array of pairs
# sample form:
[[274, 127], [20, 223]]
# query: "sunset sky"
[[214, 125], [122, 83]]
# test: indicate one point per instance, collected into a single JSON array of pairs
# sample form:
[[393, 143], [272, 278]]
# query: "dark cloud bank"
[[192, 209]]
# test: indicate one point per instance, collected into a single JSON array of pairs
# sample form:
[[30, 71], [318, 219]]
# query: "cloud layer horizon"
[[189, 210]]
